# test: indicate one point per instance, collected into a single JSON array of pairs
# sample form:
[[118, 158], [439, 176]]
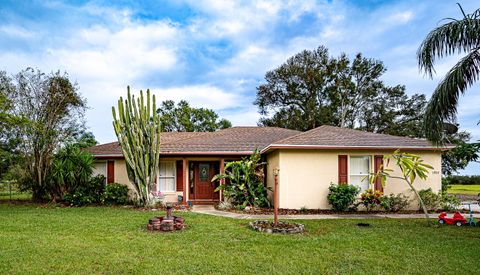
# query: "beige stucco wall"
[[305, 175], [273, 161], [121, 176]]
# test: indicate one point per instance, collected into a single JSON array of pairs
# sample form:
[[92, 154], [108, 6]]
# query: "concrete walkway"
[[210, 210]]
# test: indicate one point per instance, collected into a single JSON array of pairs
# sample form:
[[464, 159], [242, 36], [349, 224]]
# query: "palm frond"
[[456, 36], [443, 104]]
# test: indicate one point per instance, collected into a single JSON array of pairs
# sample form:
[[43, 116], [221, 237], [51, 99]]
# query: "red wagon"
[[457, 219]]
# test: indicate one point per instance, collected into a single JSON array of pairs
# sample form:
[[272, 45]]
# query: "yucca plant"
[[71, 169], [138, 131], [454, 37]]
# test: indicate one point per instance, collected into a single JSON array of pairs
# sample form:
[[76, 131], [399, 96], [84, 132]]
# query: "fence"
[[10, 191]]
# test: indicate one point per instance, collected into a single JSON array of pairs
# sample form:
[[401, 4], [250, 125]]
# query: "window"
[[359, 171], [166, 176], [204, 171]]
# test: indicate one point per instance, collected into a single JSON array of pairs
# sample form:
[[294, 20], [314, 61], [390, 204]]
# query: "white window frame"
[[370, 169], [168, 177]]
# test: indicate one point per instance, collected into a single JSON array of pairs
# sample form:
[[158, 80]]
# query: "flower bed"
[[281, 227], [281, 211]]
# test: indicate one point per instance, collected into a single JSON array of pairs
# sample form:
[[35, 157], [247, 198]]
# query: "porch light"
[[276, 171]]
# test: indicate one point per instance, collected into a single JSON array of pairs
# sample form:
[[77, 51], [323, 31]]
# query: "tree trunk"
[[425, 211], [38, 194]]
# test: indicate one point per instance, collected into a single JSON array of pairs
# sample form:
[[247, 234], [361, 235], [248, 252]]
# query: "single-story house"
[[307, 162]]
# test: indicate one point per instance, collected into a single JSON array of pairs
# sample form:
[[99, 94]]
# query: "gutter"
[[186, 153], [336, 147]]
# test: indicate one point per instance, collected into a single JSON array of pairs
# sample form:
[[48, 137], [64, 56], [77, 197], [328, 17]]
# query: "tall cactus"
[[138, 131]]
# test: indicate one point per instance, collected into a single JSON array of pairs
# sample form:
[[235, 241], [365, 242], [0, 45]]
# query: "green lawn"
[[5, 196], [36, 239], [464, 189]]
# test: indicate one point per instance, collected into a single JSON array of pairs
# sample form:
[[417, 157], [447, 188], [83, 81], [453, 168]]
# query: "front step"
[[204, 202]]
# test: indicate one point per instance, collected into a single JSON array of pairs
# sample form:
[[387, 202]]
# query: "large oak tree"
[[313, 88]]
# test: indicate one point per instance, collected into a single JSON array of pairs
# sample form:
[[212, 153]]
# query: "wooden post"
[[275, 197], [185, 180], [222, 181]]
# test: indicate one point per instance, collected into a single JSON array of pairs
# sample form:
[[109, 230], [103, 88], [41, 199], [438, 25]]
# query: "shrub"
[[224, 205], [88, 193], [449, 202], [115, 194], [440, 201], [240, 207], [157, 200], [78, 198], [342, 196], [370, 199], [246, 182], [431, 199], [303, 210], [394, 203], [445, 184]]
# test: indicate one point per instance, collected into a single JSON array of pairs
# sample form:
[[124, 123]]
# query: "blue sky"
[[214, 53]]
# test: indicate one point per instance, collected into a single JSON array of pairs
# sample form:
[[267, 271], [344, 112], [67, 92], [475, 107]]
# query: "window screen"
[[166, 176], [360, 171]]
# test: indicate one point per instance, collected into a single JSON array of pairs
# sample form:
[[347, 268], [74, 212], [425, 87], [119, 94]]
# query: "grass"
[[464, 189], [15, 196], [11, 192], [45, 239]]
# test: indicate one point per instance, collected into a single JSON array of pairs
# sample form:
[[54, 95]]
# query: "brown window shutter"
[[378, 162], [179, 175], [110, 171], [342, 169]]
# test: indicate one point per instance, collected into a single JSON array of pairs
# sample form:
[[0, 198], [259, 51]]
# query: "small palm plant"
[[411, 167]]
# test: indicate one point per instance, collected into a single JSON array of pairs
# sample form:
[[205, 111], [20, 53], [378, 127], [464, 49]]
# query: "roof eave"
[[185, 153], [336, 147]]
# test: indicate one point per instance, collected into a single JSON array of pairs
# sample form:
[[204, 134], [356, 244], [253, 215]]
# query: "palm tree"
[[454, 37]]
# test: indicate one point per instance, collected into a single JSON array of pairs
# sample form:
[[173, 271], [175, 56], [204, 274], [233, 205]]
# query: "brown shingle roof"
[[235, 140], [243, 140], [114, 149], [325, 137]]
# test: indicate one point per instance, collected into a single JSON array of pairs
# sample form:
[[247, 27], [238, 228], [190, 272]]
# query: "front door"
[[204, 188]]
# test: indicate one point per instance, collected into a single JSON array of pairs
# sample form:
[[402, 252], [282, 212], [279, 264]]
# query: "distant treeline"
[[464, 180]]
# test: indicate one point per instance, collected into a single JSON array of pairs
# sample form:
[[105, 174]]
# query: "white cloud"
[[401, 17], [124, 54], [17, 32], [246, 117], [207, 96], [106, 95], [215, 57]]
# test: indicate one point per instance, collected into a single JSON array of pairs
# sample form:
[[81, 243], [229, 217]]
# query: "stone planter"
[[165, 225], [281, 228]]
